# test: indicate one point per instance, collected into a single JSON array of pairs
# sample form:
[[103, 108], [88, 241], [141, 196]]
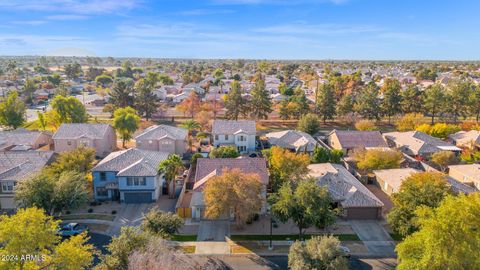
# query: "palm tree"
[[190, 125], [170, 168]]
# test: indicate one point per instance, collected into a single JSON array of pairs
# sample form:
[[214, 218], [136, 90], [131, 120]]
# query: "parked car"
[[71, 229], [346, 250]]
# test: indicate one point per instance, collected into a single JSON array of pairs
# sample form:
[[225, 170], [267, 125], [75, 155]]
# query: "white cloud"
[[66, 17], [317, 29], [71, 6], [276, 2], [202, 12], [29, 22]]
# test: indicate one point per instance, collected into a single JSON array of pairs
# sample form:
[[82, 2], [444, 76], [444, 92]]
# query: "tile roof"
[[358, 139], [343, 186], [230, 127], [17, 165], [395, 177], [215, 166], [419, 142], [292, 139], [466, 138], [159, 131], [78, 130], [18, 137], [132, 162]]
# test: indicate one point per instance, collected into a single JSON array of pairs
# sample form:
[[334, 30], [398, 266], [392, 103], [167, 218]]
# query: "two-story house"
[[207, 168], [16, 166], [239, 133], [163, 138], [101, 137], [129, 176]]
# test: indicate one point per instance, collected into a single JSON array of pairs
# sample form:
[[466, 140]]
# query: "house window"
[[102, 192], [216, 137], [8, 186], [136, 181], [242, 138], [226, 137], [69, 143], [103, 176], [241, 148]]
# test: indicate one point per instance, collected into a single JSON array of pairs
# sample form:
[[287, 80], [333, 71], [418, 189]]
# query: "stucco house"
[[239, 133], [466, 173], [390, 180], [356, 200], [349, 140], [129, 176], [416, 143], [466, 139], [101, 137], [22, 139], [294, 140], [207, 168], [16, 166], [163, 138]]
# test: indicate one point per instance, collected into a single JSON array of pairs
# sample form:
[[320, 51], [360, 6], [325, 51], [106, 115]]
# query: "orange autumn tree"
[[233, 191], [191, 105]]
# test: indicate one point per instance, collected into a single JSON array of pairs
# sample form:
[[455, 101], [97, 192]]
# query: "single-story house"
[[129, 176], [349, 140], [466, 139], [101, 137], [22, 139], [466, 173], [294, 140], [390, 180], [207, 168], [357, 201], [416, 143], [163, 138], [239, 133], [16, 166]]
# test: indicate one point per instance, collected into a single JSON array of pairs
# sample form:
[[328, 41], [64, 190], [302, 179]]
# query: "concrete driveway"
[[375, 237], [213, 230], [132, 214]]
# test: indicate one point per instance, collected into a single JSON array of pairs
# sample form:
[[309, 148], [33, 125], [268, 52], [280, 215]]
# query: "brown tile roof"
[[215, 166], [359, 139]]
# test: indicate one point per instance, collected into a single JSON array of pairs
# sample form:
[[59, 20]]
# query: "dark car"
[[71, 229]]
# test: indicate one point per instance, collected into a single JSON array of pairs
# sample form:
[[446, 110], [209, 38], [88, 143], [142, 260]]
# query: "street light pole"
[[270, 247]]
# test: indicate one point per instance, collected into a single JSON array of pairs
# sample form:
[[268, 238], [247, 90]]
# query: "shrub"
[[366, 125]]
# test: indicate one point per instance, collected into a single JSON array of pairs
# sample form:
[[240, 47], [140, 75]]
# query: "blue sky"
[[261, 29]]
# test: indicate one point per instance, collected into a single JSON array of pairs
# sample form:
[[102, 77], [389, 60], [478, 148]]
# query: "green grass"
[[88, 216], [184, 238], [280, 237]]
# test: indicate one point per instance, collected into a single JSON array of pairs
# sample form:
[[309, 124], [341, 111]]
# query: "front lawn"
[[87, 216], [282, 237], [184, 238]]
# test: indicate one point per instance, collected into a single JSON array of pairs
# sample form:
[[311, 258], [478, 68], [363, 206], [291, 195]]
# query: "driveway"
[[213, 230], [375, 237], [132, 214]]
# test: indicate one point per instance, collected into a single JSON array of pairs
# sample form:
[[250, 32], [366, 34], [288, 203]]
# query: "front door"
[[115, 195]]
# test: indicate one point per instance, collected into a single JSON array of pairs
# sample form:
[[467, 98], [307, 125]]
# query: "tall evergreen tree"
[[234, 102], [391, 98], [368, 104], [260, 105], [458, 93], [145, 99], [121, 94], [433, 100], [411, 100], [326, 102], [345, 105]]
